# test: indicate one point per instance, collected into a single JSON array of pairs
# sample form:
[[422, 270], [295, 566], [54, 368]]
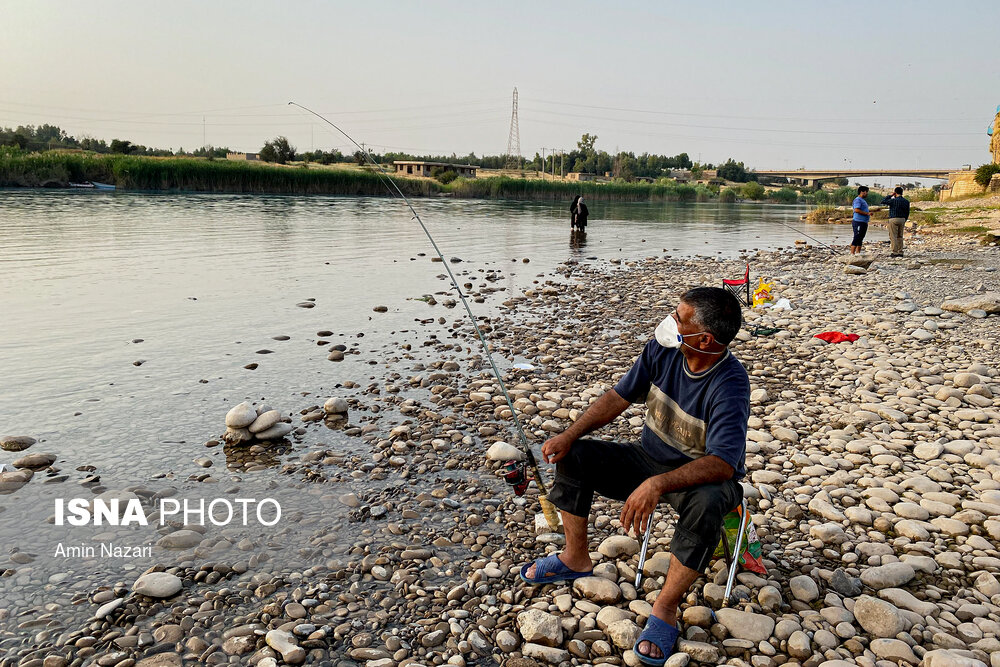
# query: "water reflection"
[[577, 240]]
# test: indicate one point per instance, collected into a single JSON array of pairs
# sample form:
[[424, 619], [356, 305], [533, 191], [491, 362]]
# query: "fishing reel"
[[515, 473]]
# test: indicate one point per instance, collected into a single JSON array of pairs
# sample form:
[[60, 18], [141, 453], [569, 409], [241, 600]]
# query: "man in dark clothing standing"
[[578, 214], [899, 211]]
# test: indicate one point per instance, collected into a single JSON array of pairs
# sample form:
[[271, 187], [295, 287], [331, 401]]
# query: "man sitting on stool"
[[691, 455]]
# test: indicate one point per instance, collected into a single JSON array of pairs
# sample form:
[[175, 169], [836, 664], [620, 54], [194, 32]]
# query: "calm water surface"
[[206, 281]]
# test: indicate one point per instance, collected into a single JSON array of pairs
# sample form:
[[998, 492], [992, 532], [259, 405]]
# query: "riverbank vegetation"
[[59, 168], [129, 172]]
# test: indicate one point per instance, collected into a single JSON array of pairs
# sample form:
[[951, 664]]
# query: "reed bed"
[[193, 175], [58, 169], [518, 188]]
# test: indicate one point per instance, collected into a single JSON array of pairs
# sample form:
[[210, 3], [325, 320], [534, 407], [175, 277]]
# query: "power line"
[[753, 129], [852, 146], [708, 115]]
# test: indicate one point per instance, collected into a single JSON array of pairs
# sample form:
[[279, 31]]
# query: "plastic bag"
[[750, 556], [762, 295], [782, 304]]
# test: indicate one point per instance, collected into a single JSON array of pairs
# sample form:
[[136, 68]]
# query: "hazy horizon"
[[783, 86]]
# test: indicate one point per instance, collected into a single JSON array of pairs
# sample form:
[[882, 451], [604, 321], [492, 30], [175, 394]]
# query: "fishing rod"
[[548, 509], [794, 229]]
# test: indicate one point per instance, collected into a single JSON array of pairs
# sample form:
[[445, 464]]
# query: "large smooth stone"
[[945, 658], [180, 539], [804, 588], [879, 618], [236, 436], [598, 589], [265, 421], [13, 480], [617, 546], [276, 432], [158, 585], [284, 643], [35, 460], [241, 416], [16, 443], [502, 451], [745, 625], [891, 575], [335, 405], [988, 301]]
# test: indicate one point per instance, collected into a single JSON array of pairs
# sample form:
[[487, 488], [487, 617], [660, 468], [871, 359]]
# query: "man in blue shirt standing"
[[691, 455], [860, 221]]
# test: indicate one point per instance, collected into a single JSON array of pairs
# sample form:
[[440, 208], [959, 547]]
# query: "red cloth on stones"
[[836, 337]]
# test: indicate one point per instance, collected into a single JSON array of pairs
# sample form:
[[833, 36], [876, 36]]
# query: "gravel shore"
[[873, 473]]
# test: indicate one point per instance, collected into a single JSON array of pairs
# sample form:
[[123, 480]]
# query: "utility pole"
[[204, 142], [543, 162], [562, 163]]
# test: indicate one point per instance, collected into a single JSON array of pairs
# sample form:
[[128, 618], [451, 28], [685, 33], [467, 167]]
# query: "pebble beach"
[[873, 478]]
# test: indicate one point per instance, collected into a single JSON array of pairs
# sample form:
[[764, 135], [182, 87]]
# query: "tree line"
[[586, 158]]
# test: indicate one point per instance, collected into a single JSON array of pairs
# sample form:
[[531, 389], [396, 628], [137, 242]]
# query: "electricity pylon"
[[514, 140]]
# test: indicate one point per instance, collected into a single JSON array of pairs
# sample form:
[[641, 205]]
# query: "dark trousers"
[[615, 470], [860, 229]]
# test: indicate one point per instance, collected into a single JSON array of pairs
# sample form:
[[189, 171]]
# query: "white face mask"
[[667, 335]]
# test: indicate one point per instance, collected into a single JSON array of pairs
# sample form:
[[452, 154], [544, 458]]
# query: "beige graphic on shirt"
[[674, 426]]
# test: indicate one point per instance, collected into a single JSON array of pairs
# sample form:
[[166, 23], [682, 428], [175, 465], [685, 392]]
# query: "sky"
[[777, 85]]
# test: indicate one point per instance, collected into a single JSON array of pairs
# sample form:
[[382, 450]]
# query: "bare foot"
[[650, 650], [582, 565]]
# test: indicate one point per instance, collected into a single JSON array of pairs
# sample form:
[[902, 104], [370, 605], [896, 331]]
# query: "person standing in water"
[[578, 214]]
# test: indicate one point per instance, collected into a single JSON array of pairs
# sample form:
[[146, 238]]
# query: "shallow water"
[[206, 281]]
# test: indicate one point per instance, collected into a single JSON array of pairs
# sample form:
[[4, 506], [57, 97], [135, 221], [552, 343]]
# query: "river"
[[129, 320]]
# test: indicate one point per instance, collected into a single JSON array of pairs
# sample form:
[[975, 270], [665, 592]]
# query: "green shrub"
[[784, 196], [985, 173], [843, 195], [819, 197], [446, 176], [921, 194], [752, 190], [727, 196]]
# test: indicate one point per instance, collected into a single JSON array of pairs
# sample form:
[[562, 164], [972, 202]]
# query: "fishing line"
[[547, 508], [795, 229]]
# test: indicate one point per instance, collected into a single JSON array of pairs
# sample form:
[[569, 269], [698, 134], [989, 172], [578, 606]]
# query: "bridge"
[[815, 177]]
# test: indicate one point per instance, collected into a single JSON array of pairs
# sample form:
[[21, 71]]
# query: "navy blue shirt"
[[690, 415], [899, 207]]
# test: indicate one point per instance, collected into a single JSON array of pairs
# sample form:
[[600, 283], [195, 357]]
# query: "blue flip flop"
[[551, 570], [662, 635]]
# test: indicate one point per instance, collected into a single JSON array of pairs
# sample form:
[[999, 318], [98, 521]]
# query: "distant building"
[[994, 133], [421, 168], [244, 157], [580, 176]]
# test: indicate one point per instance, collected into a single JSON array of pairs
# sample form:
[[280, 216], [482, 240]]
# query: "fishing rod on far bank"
[[515, 474]]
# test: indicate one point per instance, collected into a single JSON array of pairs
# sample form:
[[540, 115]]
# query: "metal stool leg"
[[734, 562], [642, 552]]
